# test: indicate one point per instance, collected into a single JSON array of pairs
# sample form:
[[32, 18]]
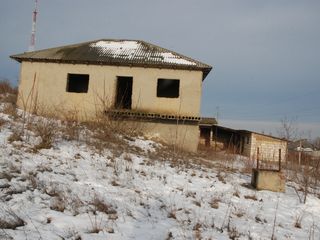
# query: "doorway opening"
[[124, 93]]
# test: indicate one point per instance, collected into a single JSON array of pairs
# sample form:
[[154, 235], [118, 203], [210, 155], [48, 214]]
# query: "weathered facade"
[[251, 144], [264, 147], [127, 77]]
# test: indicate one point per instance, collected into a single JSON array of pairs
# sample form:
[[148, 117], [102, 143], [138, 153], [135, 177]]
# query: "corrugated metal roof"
[[116, 52]]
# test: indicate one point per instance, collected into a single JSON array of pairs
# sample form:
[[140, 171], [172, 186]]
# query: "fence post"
[[279, 159], [258, 158]]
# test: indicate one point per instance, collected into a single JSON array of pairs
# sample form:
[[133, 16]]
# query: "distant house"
[[301, 145], [305, 149], [251, 144], [125, 77]]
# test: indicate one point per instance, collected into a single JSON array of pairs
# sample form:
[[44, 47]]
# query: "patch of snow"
[[171, 58], [116, 47], [132, 49]]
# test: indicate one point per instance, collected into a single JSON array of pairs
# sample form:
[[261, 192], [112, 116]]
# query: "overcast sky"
[[265, 54]]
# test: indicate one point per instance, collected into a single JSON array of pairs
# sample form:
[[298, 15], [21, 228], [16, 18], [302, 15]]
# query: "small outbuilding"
[[248, 143]]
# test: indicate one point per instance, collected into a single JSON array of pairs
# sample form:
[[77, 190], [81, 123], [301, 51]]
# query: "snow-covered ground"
[[135, 189]]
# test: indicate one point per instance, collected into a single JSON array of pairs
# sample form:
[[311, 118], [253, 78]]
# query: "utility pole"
[[216, 132], [300, 153]]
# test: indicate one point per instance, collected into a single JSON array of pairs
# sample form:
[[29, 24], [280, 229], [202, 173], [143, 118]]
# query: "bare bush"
[[6, 87], [214, 203], [102, 133], [45, 129], [96, 225], [71, 124], [10, 109], [298, 220], [16, 135], [101, 206], [8, 94], [306, 174]]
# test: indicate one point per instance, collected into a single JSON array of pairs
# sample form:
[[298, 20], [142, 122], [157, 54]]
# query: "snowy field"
[[133, 188]]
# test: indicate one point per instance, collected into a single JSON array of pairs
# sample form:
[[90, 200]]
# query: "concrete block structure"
[[265, 179], [129, 78], [251, 144]]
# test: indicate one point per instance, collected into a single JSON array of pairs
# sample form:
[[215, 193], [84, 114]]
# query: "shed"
[[248, 143]]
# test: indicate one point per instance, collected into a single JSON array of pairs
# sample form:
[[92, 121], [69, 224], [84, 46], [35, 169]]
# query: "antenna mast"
[[33, 32]]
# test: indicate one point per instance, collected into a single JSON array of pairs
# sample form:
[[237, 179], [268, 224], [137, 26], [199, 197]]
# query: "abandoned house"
[[251, 144], [132, 79]]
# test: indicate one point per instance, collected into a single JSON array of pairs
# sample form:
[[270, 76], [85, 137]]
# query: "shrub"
[[45, 129], [214, 203], [11, 110], [5, 87], [15, 136], [8, 94]]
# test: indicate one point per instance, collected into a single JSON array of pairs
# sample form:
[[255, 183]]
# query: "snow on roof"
[[115, 46], [129, 49]]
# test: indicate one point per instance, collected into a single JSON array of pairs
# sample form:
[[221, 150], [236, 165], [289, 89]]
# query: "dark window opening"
[[168, 88], [124, 93], [205, 134], [78, 83]]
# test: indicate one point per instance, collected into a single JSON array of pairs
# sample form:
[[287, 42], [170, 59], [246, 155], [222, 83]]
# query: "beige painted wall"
[[49, 80], [181, 135]]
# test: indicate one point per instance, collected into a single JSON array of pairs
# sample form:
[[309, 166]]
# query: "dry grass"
[[172, 214], [10, 220], [298, 220], [214, 203], [252, 197], [2, 122], [8, 94], [101, 206], [46, 130], [16, 135], [10, 109], [58, 203], [6, 87]]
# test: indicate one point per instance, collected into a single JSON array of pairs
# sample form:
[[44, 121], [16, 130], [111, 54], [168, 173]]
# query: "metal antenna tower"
[[33, 32]]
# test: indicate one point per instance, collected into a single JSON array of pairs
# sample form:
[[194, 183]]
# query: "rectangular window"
[[78, 83], [168, 88]]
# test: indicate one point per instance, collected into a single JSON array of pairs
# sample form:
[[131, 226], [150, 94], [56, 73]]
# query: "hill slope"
[[132, 188]]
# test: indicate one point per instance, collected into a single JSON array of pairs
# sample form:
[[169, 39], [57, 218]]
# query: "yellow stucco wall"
[[49, 80], [43, 85], [177, 134]]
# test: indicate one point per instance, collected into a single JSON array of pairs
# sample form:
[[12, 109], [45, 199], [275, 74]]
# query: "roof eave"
[[183, 67], [206, 72], [15, 57]]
